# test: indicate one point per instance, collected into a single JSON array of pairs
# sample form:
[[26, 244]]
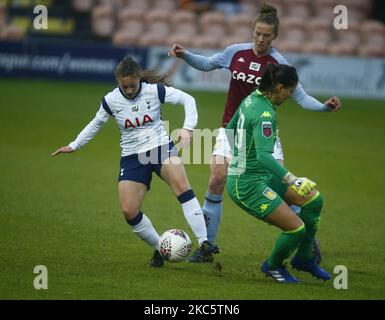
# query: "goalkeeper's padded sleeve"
[[268, 161]]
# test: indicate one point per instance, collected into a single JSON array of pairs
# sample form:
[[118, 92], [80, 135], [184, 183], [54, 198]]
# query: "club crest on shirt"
[[267, 129], [254, 66], [269, 194]]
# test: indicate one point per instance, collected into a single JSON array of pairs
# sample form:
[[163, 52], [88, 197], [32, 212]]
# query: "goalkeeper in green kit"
[[262, 187]]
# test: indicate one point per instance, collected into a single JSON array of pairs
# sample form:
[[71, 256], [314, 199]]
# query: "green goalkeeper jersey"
[[255, 127]]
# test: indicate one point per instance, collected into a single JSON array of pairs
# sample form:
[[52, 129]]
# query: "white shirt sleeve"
[[91, 129], [300, 96], [202, 63], [306, 101], [176, 96], [217, 61]]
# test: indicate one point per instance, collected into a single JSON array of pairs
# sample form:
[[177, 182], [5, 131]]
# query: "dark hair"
[[268, 14], [278, 74], [129, 67]]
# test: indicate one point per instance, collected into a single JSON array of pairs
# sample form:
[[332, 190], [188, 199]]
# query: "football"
[[175, 245]]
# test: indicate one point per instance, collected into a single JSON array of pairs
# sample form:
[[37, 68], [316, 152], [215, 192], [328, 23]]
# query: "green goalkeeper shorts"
[[253, 196], [278, 186]]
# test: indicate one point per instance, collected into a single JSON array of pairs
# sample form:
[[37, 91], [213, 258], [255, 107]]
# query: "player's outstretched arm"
[[86, 134], [309, 103], [66, 149], [197, 61], [303, 186]]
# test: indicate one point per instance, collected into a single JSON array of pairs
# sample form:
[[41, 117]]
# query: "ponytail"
[[151, 76], [129, 67]]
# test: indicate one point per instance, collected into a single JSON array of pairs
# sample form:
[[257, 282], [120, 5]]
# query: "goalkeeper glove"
[[303, 186]]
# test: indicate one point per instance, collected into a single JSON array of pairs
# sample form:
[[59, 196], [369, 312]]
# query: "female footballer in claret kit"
[[246, 62]]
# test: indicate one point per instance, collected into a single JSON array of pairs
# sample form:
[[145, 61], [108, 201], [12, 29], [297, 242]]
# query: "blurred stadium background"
[[85, 39], [64, 213], [306, 26]]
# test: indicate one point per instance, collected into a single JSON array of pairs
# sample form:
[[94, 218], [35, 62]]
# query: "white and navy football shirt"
[[139, 118]]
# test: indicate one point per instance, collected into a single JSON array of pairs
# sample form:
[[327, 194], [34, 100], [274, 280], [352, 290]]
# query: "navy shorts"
[[139, 167]]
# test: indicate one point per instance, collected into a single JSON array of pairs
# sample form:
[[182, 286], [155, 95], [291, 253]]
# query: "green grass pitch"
[[63, 212]]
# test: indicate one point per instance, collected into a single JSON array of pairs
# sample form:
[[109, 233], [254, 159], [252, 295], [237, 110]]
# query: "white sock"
[[194, 216], [147, 232]]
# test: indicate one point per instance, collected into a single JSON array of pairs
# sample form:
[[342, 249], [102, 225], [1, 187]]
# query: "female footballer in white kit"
[[146, 147]]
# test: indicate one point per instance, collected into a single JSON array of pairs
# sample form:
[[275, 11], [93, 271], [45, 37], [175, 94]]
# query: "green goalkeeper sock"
[[285, 244], [310, 215]]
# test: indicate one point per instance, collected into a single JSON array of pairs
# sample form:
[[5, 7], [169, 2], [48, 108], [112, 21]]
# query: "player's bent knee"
[[314, 201], [130, 212], [300, 231], [179, 185], [216, 186], [293, 198], [218, 177], [180, 188], [295, 223]]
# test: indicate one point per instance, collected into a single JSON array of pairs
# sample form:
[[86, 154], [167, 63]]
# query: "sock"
[[212, 208], [194, 215], [143, 228], [310, 215], [285, 244], [295, 209]]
